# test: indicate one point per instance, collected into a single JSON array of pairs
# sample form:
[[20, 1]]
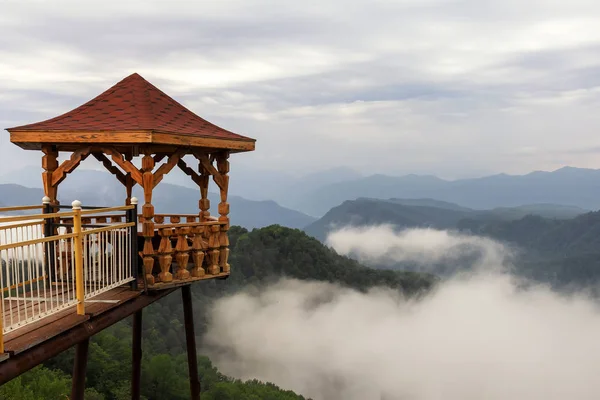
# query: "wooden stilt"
[[190, 339], [136, 356], [79, 369]]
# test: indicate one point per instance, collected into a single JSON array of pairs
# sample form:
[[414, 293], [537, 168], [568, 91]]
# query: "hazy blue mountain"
[[567, 186], [99, 188], [365, 212], [428, 213]]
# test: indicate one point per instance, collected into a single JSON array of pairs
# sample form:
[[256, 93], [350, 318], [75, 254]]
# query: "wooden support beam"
[[136, 353], [79, 369], [110, 167], [207, 164], [126, 165], [68, 166], [189, 171], [167, 166], [190, 340]]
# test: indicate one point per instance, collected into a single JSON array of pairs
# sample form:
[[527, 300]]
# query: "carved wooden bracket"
[[127, 166], [68, 166], [207, 164], [168, 166], [110, 167], [189, 172]]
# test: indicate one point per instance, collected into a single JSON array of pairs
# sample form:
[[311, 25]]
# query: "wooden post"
[[148, 214], [78, 242], [190, 339], [79, 369], [204, 203], [223, 168], [133, 217], [49, 247], [49, 164], [136, 369], [1, 325]]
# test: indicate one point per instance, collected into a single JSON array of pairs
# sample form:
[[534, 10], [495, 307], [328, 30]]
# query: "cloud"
[[471, 339], [479, 335], [424, 246], [463, 75]]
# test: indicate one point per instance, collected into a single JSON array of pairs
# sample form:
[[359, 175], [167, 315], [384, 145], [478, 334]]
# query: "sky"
[[452, 88]]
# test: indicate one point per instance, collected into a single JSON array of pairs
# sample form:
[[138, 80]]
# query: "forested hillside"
[[257, 257]]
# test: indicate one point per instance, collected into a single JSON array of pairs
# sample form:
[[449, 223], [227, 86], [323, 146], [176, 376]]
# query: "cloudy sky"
[[453, 88]]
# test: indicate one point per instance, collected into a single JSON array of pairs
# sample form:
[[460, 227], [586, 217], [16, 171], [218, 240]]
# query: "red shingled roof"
[[133, 104]]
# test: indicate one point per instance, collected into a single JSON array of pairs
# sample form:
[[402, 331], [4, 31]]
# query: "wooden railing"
[[52, 261], [187, 248]]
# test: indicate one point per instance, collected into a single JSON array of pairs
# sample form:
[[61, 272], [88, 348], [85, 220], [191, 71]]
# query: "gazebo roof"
[[133, 111]]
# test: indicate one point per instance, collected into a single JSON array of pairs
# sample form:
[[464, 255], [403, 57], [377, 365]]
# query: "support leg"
[[190, 339], [79, 368], [136, 356]]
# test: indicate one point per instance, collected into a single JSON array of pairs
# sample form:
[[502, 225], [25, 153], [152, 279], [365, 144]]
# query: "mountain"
[[567, 186], [97, 188], [409, 213], [363, 211]]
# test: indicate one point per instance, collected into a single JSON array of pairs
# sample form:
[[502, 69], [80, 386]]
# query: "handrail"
[[107, 209], [36, 216], [34, 223], [19, 208], [73, 266], [36, 241]]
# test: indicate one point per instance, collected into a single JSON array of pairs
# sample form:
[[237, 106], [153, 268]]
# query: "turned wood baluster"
[[214, 246], [148, 214], [223, 168], [182, 254], [198, 252], [165, 257]]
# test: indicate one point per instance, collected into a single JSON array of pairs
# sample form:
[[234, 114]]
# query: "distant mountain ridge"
[[567, 186], [426, 213]]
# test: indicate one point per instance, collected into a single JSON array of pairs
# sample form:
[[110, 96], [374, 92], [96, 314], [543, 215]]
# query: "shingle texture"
[[133, 104]]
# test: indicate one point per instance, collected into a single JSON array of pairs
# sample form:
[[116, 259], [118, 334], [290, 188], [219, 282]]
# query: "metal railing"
[[48, 265]]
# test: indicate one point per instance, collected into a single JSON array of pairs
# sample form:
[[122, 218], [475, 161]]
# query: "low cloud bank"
[[423, 246], [475, 337]]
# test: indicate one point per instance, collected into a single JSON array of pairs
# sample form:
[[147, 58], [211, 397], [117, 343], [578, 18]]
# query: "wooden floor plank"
[[38, 324], [49, 326], [95, 309], [33, 338]]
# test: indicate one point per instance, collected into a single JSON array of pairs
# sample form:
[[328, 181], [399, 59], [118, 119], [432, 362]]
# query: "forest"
[[257, 258]]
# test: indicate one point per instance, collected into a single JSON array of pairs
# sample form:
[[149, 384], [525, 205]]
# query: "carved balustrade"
[[187, 247]]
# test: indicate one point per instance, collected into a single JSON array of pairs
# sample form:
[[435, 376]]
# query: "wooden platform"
[[35, 333]]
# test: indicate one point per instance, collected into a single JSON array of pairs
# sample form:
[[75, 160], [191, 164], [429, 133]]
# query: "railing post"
[[132, 216], [50, 250], [78, 239], [1, 322]]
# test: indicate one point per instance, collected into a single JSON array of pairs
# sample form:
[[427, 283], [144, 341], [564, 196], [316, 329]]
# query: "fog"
[[476, 336], [424, 246]]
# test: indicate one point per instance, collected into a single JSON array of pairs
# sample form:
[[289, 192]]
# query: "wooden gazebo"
[[70, 274], [135, 119]]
